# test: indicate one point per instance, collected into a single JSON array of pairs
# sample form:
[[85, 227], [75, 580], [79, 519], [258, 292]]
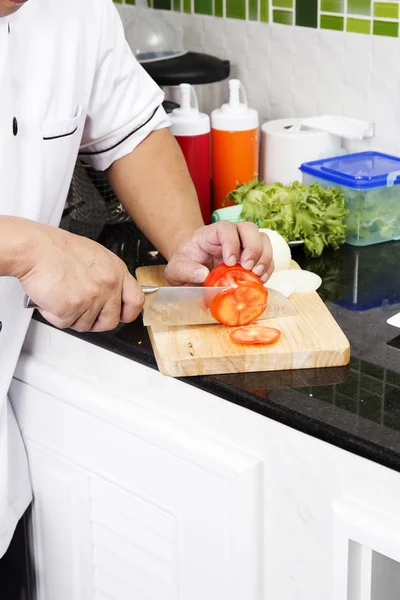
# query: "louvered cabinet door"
[[159, 513]]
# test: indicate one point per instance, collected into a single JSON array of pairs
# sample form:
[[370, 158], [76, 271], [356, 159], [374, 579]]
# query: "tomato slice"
[[239, 304], [255, 334], [222, 276]]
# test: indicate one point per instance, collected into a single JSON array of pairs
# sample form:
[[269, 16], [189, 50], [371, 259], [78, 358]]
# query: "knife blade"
[[173, 306]]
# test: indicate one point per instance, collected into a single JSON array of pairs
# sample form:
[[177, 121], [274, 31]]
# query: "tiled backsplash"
[[356, 16], [299, 71]]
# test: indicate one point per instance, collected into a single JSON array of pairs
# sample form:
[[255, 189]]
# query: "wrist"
[[18, 246], [180, 236]]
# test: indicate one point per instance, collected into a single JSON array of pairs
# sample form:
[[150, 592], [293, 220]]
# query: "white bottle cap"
[[236, 115], [187, 120]]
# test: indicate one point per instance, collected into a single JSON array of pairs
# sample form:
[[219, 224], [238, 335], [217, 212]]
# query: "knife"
[[173, 306]]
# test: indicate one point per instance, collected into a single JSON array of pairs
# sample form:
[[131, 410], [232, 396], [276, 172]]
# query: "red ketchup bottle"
[[191, 129]]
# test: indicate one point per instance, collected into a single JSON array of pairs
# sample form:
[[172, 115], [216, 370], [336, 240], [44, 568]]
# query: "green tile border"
[[366, 17]]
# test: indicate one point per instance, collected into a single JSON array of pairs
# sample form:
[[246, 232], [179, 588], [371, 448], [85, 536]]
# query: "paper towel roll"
[[284, 150]]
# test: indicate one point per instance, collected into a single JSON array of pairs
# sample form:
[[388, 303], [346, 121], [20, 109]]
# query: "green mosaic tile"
[[359, 7], [358, 25], [283, 17], [386, 10], [264, 11], [332, 6], [187, 6], [218, 8], [386, 28], [177, 5], [162, 4], [129, 1], [235, 9], [202, 7], [332, 22], [282, 3], [307, 13], [253, 10]]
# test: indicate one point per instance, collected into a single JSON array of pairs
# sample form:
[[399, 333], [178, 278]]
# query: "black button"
[[1, 325], [9, 29], [15, 126]]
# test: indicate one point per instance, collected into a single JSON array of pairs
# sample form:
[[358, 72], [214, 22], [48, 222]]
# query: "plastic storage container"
[[234, 142], [191, 129], [370, 183]]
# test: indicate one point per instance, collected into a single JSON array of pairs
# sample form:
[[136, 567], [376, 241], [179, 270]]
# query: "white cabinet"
[[147, 488], [140, 508]]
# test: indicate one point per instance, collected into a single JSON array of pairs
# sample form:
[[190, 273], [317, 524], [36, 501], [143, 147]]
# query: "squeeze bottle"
[[234, 144], [191, 129]]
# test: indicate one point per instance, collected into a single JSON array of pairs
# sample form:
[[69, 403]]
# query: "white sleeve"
[[125, 104]]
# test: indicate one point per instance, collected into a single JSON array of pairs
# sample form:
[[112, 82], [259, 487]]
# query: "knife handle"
[[146, 289]]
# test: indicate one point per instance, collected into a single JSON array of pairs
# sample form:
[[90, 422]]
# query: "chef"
[[69, 86]]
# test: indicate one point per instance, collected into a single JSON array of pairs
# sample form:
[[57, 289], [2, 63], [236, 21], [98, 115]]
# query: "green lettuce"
[[312, 213]]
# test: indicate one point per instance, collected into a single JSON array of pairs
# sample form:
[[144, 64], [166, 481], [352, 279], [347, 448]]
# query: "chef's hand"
[[217, 243], [79, 284]]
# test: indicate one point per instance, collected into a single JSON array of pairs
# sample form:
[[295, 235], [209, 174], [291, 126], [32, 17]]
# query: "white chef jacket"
[[68, 84]]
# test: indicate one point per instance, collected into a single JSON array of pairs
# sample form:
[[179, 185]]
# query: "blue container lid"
[[362, 171]]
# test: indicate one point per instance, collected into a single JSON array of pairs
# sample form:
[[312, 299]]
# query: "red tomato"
[[222, 276], [239, 304], [255, 334]]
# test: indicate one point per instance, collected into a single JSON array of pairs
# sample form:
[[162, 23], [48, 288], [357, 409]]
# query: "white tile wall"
[[295, 72]]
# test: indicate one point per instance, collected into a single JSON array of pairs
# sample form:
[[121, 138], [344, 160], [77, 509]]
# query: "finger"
[[132, 299], [251, 245], [88, 318], [60, 323], [264, 262], [109, 316], [229, 240], [270, 270], [181, 272]]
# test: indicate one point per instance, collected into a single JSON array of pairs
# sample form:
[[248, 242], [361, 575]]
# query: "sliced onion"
[[299, 281], [280, 284], [280, 249]]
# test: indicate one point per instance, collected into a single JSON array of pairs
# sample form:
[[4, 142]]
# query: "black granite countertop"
[[356, 408]]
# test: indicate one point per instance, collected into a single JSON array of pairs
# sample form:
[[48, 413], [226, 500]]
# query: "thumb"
[[181, 272]]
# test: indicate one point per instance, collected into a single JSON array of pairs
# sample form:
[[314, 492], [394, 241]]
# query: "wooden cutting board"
[[310, 339]]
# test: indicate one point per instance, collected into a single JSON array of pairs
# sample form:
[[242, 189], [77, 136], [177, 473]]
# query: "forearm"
[[155, 188], [16, 243]]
